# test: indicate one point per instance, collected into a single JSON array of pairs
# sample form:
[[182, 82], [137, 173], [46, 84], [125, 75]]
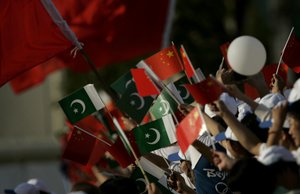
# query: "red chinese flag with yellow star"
[[79, 147], [165, 63], [188, 66], [144, 84], [189, 129], [206, 91], [291, 52]]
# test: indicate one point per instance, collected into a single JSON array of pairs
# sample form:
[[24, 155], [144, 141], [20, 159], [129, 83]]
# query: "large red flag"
[[36, 75], [144, 84], [188, 66], [114, 31], [28, 37], [291, 53], [206, 91], [189, 128], [165, 63]]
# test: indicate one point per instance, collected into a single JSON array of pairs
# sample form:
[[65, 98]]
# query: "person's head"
[[87, 188], [249, 176], [294, 121], [119, 185], [283, 164]]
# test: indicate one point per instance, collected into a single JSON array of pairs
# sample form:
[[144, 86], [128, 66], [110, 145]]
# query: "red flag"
[[28, 37], [206, 91], [120, 154], [188, 66], [165, 63], [92, 125], [79, 147], [144, 84], [189, 128], [268, 72], [35, 75], [114, 31], [224, 50], [99, 150], [291, 53]]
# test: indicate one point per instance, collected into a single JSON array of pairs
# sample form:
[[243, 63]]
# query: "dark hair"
[[88, 188], [249, 176], [294, 109], [251, 122], [119, 185]]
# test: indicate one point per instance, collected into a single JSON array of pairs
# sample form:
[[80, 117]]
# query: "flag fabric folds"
[[79, 147], [206, 91], [156, 134], [144, 84], [183, 92], [187, 64], [28, 37], [291, 52], [81, 103], [189, 129], [165, 63], [133, 104], [163, 106]]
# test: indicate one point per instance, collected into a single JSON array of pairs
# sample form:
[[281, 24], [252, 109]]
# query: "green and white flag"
[[154, 173], [121, 84], [163, 105], [183, 92], [156, 134], [135, 105], [81, 103]]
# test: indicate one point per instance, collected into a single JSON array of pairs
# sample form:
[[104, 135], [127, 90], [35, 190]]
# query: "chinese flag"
[[120, 154], [188, 66], [268, 72], [224, 50], [36, 75], [144, 84], [189, 128], [99, 150], [165, 63], [206, 91], [114, 31], [92, 125], [28, 37], [79, 147], [291, 53]]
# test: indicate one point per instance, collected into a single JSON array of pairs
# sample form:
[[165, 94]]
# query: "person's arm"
[[204, 150], [246, 137], [278, 115]]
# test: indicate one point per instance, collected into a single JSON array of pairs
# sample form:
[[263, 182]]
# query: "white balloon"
[[246, 55]]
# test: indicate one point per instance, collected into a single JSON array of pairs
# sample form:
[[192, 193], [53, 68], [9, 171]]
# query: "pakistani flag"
[[121, 84], [156, 134], [81, 103], [163, 105], [184, 93], [133, 104], [155, 175]]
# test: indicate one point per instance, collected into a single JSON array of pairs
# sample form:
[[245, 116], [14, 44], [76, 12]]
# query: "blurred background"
[[31, 119]]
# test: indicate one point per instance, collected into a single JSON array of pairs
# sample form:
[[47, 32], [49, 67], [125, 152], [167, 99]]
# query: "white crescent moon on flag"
[[144, 182], [166, 105], [78, 102], [128, 82], [187, 93], [141, 100], [157, 137]]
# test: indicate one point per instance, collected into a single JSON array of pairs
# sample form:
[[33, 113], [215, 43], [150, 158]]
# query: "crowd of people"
[[249, 146]]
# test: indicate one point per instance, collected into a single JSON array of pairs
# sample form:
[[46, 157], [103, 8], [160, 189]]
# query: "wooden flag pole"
[[124, 137], [85, 131], [281, 55]]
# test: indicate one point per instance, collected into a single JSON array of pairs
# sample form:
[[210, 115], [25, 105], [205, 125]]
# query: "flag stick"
[[92, 135], [222, 63], [124, 137], [205, 127], [281, 55]]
